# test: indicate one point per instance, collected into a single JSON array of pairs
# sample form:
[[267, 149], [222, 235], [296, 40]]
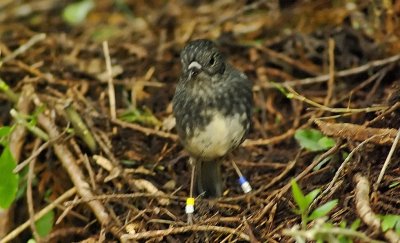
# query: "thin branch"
[[146, 130], [11, 95], [246, 8], [292, 94], [383, 114], [364, 209], [184, 229], [268, 141], [18, 134], [111, 91], [284, 189], [29, 196], [68, 161], [388, 158], [311, 69], [339, 74], [312, 233], [79, 126], [342, 166], [121, 196], [331, 81], [36, 152], [32, 41], [20, 119]]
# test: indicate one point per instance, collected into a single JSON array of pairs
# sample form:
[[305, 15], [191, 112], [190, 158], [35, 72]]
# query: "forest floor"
[[87, 90]]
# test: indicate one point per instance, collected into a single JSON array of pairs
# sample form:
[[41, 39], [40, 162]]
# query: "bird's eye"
[[212, 61]]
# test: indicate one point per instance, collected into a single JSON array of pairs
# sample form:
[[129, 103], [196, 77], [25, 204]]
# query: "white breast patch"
[[219, 136]]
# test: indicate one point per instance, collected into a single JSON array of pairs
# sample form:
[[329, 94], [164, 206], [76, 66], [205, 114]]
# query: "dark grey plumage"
[[212, 106]]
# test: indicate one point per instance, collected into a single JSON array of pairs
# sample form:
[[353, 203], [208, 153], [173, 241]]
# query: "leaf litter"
[[140, 192]]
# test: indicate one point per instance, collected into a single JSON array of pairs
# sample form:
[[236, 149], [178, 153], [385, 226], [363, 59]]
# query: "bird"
[[212, 106]]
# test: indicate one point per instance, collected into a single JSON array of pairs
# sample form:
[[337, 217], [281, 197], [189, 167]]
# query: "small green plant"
[[343, 225], [304, 202], [8, 180], [313, 140], [30, 121], [321, 230], [13, 186]]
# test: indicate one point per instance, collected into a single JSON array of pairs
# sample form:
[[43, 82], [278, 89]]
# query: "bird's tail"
[[208, 179]]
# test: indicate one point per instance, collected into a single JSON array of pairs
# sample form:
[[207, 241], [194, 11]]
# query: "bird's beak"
[[194, 68]]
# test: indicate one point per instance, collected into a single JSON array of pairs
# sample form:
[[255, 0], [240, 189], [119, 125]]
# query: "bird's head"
[[202, 60]]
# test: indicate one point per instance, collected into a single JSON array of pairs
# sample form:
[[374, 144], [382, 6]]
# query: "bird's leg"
[[190, 200], [244, 184]]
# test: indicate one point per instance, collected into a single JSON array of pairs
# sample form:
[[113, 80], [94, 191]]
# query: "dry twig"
[[331, 80], [17, 136], [388, 158], [146, 130], [353, 132], [29, 196], [74, 172], [342, 166], [364, 209], [339, 74], [23, 48], [268, 141], [35, 153], [292, 94], [111, 91], [180, 230], [279, 193]]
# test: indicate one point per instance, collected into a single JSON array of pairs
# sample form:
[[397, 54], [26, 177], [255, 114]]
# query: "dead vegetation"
[[92, 114]]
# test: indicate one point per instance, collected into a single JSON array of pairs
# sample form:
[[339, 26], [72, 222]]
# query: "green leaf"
[[103, 33], [130, 163], [311, 196], [299, 197], [313, 140], [8, 180], [3, 86], [326, 143], [44, 225], [355, 224], [33, 118], [4, 134], [323, 210], [22, 182], [145, 117], [75, 13], [344, 155], [394, 184], [343, 224], [389, 221], [344, 239], [5, 131], [278, 120], [280, 88], [322, 163]]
